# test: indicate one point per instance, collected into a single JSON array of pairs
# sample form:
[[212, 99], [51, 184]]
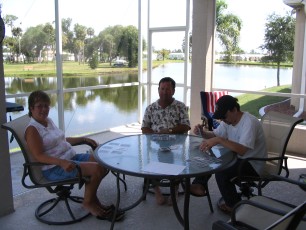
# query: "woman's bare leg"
[[96, 174]]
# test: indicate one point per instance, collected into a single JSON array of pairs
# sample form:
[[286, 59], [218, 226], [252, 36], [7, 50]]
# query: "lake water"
[[97, 110], [250, 77]]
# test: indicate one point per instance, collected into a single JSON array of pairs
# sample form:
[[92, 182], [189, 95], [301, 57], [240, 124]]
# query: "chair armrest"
[[78, 179], [244, 161], [288, 180], [84, 142]]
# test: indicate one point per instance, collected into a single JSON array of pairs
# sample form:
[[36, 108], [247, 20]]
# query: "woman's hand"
[[68, 166]]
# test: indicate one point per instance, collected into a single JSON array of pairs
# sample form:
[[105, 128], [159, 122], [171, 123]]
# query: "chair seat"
[[262, 212], [260, 219]]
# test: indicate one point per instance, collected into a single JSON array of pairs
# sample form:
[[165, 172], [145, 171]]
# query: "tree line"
[[36, 43]]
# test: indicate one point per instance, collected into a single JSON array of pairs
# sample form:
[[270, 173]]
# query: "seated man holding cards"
[[240, 132], [165, 116]]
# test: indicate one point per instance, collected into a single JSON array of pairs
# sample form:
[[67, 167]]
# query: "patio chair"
[[277, 128], [260, 212], [65, 208], [208, 101]]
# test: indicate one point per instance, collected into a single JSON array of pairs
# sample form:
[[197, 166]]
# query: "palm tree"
[[228, 29], [17, 32]]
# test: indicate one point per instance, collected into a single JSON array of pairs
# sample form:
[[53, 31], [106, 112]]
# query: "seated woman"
[[49, 145]]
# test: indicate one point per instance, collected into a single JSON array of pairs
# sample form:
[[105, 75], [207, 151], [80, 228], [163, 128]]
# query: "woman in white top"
[[48, 145]]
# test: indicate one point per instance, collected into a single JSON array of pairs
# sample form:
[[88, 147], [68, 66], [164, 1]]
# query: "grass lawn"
[[253, 102], [69, 69], [49, 69]]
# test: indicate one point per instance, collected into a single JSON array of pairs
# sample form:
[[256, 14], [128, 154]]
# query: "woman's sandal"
[[108, 207], [109, 215]]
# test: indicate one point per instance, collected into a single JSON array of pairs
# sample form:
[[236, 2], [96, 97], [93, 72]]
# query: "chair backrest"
[[277, 128], [208, 101], [17, 127]]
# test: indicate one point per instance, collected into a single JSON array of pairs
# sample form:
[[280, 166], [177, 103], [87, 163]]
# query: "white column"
[[299, 56], [139, 61], [59, 66], [6, 191], [203, 32]]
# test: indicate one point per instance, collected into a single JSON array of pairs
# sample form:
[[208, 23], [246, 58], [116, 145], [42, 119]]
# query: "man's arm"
[[146, 130], [234, 146], [199, 130], [180, 129]]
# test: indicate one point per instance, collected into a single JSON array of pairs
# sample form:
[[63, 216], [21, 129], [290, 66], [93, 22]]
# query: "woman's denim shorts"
[[58, 173]]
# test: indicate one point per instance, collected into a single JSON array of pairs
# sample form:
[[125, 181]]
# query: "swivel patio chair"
[[208, 101], [277, 128], [262, 212], [63, 209]]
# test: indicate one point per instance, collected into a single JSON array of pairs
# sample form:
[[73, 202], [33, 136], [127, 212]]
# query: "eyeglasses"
[[42, 106]]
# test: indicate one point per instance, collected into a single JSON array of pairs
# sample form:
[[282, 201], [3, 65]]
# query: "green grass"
[[253, 102], [69, 69], [252, 63]]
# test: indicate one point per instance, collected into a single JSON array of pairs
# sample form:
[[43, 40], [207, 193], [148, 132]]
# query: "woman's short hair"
[[37, 96]]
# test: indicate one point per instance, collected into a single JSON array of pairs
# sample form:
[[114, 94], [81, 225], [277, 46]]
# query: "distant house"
[[241, 57], [176, 56]]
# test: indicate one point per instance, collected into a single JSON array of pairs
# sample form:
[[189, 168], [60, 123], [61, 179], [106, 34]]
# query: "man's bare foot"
[[102, 214], [160, 199], [225, 208], [197, 190]]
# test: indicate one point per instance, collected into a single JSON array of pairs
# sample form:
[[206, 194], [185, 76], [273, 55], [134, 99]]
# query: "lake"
[[93, 111]]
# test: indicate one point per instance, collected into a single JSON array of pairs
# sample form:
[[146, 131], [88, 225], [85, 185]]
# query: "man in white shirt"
[[240, 132]]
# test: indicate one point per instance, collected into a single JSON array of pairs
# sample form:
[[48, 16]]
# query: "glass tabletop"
[[162, 155]]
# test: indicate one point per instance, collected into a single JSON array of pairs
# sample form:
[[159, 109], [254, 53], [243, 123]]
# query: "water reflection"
[[120, 97], [106, 108]]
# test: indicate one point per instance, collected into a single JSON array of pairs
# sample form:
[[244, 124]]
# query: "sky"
[[100, 14]]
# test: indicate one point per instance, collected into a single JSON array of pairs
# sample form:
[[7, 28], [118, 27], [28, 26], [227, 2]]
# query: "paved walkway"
[[147, 215]]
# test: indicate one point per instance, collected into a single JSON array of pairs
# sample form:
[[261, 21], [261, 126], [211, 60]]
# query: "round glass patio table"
[[163, 156]]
